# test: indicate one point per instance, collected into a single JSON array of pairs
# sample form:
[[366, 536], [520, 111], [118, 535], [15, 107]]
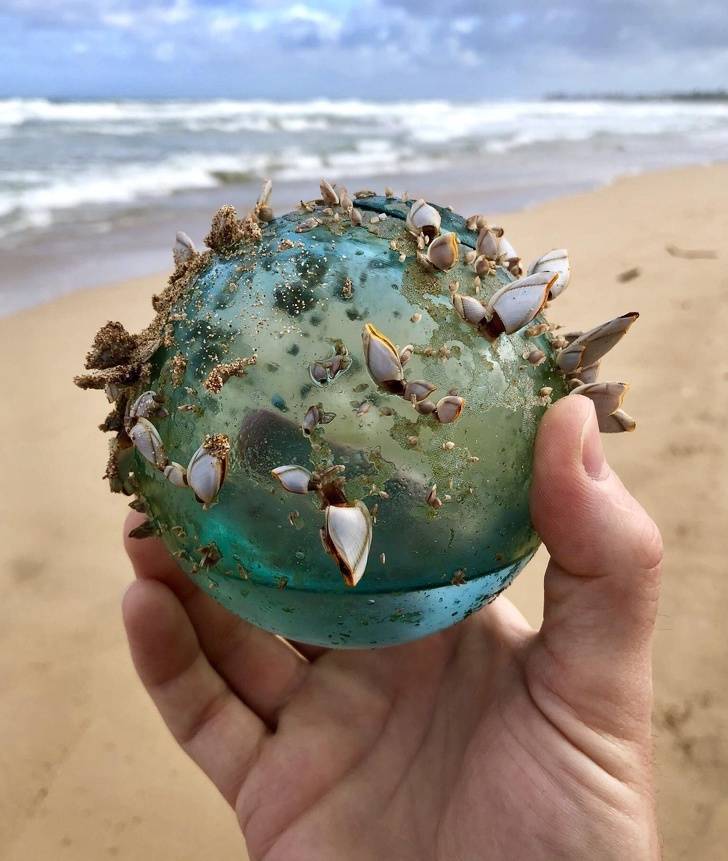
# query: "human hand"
[[488, 740]]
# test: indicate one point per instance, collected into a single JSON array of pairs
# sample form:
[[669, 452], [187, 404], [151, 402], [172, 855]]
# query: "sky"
[[378, 49]]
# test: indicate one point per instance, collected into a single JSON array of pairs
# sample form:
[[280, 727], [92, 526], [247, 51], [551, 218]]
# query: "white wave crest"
[[425, 121], [133, 150], [41, 197]]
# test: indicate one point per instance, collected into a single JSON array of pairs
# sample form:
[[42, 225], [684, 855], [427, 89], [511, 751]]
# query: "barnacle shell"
[[617, 422], [205, 475], [556, 261], [449, 408], [347, 535], [381, 356], [487, 244], [330, 197], [308, 224], [418, 389], [607, 399], [423, 218], [293, 478], [315, 416], [517, 303], [183, 248], [469, 308], [589, 374], [591, 346], [426, 407], [345, 202], [146, 440], [405, 354], [506, 251], [176, 474], [145, 406], [443, 252], [265, 192]]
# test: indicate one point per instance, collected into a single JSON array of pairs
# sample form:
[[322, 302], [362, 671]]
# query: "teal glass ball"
[[272, 351]]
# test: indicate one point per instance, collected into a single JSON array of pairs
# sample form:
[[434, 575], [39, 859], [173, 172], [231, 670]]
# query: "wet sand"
[[87, 770]]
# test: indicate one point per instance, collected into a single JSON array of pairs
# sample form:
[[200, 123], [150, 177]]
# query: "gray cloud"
[[379, 48]]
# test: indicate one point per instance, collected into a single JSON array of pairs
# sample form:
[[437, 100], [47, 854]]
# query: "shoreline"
[[73, 706], [58, 264]]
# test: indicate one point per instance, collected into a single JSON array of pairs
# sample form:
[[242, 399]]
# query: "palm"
[[426, 753], [486, 741], [357, 745]]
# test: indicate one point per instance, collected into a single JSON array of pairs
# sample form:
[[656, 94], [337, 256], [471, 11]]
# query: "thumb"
[[601, 585]]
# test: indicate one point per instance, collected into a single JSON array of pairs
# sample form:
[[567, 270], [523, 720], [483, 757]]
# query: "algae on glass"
[[330, 422]]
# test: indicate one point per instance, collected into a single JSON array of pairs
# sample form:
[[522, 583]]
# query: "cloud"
[[164, 52], [376, 48], [124, 20], [325, 23]]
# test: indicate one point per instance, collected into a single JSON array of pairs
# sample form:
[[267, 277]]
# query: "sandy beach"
[[87, 769]]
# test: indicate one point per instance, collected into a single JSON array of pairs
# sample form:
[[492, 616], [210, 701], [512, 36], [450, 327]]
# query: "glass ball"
[[264, 354]]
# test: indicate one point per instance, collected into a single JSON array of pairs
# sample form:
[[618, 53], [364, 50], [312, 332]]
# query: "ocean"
[[93, 191]]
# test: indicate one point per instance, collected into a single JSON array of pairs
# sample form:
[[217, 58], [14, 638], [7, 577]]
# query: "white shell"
[[330, 197], [148, 443], [590, 373], [144, 406], [311, 419], [348, 537], [557, 261], [422, 217], [505, 250], [205, 475], [265, 191], [555, 256], [443, 252], [418, 389], [293, 478], [405, 354], [426, 408], [482, 265], [517, 303], [448, 409], [594, 344], [183, 248], [569, 359], [432, 499], [309, 224], [345, 201], [381, 356], [176, 474], [469, 308], [607, 397], [617, 422], [487, 244]]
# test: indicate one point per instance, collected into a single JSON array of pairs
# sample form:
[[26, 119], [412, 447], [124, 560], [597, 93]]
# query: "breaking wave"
[[58, 156]]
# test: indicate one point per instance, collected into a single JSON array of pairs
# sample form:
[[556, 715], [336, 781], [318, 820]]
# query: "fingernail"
[[592, 453]]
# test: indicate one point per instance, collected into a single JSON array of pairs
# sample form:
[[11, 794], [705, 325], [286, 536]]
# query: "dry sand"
[[87, 770]]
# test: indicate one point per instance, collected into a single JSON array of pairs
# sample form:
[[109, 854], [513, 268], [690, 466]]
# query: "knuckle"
[[652, 548]]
